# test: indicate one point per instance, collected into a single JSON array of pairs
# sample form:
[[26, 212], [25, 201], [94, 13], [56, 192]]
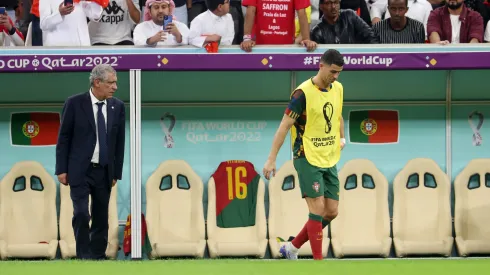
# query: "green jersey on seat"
[[236, 184]]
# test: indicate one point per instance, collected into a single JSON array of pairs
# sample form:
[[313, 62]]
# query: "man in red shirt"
[[271, 22]]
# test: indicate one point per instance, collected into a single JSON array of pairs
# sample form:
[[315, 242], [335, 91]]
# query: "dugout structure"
[[183, 103]]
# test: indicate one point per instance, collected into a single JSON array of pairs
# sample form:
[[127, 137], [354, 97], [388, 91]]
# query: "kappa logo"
[[113, 8], [369, 126], [316, 187], [114, 14]]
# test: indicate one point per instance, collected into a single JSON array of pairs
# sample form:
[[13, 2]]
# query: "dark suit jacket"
[[349, 29], [77, 138]]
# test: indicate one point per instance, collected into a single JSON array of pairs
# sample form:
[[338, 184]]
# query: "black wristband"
[[12, 30]]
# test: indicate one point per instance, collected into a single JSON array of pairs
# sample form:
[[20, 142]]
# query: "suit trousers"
[[91, 242]]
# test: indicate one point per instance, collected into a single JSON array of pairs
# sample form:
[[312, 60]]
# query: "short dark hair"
[[333, 57], [406, 2], [213, 4]]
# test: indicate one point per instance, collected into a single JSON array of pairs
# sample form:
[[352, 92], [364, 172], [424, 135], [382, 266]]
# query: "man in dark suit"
[[90, 156]]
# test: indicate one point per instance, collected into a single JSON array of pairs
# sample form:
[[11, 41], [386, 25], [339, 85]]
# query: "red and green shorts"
[[315, 181]]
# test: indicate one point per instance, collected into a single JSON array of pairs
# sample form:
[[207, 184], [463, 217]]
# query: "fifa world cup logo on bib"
[[168, 139], [327, 114], [477, 138]]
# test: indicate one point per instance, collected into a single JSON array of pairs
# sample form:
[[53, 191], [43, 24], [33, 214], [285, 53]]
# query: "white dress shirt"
[[95, 156], [67, 30], [207, 23], [147, 29]]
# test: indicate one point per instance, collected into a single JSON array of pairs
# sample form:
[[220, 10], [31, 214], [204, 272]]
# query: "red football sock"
[[315, 235], [301, 238]]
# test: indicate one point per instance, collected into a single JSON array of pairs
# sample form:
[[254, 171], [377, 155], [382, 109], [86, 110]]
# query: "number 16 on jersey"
[[237, 188]]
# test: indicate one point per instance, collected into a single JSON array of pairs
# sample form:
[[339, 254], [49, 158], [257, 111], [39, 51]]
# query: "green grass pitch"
[[251, 267]]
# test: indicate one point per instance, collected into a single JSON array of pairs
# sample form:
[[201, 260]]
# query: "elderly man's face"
[[106, 87]]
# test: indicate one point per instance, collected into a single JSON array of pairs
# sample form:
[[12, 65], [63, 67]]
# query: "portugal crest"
[[30, 129], [316, 187], [369, 126]]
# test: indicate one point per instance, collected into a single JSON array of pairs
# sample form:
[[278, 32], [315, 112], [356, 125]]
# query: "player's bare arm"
[[281, 133], [342, 134]]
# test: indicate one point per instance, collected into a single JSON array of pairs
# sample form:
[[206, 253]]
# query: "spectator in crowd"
[[341, 26], [10, 6], [67, 25], [197, 7], [24, 16], [152, 32], [268, 22], [360, 7], [238, 20], [399, 29], [479, 6], [19, 15], [9, 34], [214, 25], [194, 8], [36, 32], [116, 24], [476, 5], [180, 11], [417, 9], [455, 23]]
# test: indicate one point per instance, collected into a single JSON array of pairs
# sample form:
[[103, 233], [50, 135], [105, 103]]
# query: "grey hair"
[[100, 72]]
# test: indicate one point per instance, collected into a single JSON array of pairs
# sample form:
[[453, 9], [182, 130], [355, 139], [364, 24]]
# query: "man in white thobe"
[[67, 25], [213, 25], [152, 31]]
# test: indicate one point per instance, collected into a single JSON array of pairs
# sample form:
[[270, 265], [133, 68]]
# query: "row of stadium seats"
[[28, 216], [422, 223]]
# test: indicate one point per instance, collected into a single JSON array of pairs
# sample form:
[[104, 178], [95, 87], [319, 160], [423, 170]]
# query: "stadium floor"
[[251, 267]]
